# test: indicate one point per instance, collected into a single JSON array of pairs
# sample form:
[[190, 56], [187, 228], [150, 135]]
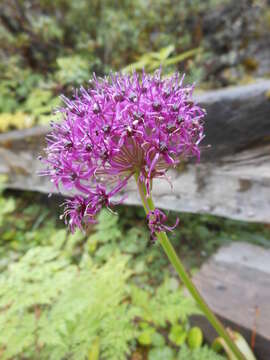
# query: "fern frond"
[[58, 310], [204, 353], [166, 304]]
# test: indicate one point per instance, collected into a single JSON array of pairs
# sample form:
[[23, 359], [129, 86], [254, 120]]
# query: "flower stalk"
[[119, 127], [162, 237]]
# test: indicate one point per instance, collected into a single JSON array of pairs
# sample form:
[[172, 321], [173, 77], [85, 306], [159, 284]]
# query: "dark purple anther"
[[96, 109], [157, 106], [133, 97], [106, 129], [180, 120], [175, 107], [163, 147]]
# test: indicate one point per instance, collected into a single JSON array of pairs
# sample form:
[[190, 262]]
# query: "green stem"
[[174, 259]]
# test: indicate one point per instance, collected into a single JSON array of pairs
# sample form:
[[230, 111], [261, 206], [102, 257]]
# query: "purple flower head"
[[75, 213], [120, 126], [82, 210], [156, 222]]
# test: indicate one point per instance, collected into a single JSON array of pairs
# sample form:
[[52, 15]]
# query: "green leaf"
[[158, 340], [58, 238], [72, 70], [182, 57], [203, 353], [166, 305], [240, 342], [145, 337], [195, 338], [177, 334], [161, 354], [106, 228], [94, 352], [7, 206], [154, 60], [163, 53], [64, 307]]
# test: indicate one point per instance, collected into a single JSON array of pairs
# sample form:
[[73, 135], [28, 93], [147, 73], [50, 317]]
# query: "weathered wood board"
[[232, 180], [235, 283], [237, 117]]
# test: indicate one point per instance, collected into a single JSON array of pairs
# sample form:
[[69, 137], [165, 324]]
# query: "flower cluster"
[[122, 125]]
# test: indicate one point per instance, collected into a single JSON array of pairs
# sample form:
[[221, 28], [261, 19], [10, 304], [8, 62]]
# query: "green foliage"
[[111, 237], [58, 44], [47, 28], [167, 304], [113, 234], [161, 354], [195, 338], [219, 345], [110, 33], [155, 60], [22, 226], [72, 70], [69, 302], [72, 295], [203, 353], [205, 233], [107, 229], [63, 311], [16, 83], [40, 102], [7, 206], [147, 334], [178, 334], [25, 99], [158, 340], [39, 278]]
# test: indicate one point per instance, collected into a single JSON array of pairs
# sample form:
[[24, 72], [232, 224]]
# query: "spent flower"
[[156, 223]]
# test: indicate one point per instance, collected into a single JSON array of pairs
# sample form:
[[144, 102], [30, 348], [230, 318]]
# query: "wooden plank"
[[236, 117], [237, 187], [236, 285]]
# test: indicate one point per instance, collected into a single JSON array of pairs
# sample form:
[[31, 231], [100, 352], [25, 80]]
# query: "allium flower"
[[156, 222], [121, 126], [124, 126]]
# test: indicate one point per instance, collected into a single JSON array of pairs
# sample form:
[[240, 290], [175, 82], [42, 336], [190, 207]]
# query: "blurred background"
[[47, 47], [124, 303]]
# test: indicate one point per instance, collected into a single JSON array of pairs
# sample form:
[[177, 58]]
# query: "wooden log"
[[232, 180], [237, 117], [235, 283]]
